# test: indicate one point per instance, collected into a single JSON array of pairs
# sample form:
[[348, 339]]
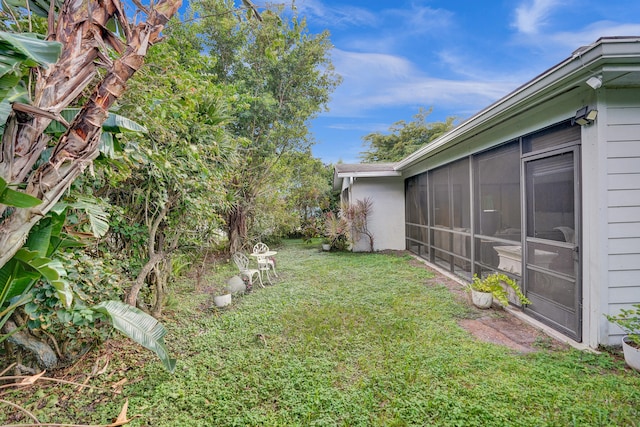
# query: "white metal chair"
[[264, 267], [262, 248], [242, 262]]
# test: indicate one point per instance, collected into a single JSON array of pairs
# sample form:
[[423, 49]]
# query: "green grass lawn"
[[347, 339]]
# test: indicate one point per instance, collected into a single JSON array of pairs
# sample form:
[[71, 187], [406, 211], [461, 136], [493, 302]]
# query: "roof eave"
[[370, 174], [555, 79]]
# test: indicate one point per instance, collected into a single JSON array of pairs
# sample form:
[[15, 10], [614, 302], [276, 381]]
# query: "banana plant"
[[85, 33], [33, 262], [17, 53], [139, 326]]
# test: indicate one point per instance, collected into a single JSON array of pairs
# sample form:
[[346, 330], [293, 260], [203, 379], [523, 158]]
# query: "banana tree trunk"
[[82, 29]]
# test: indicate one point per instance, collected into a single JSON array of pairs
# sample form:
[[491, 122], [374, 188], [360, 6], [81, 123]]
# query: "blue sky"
[[454, 56]]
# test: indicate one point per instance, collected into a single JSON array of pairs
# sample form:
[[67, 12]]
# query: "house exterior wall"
[[387, 217], [608, 167], [622, 183], [555, 110], [610, 194]]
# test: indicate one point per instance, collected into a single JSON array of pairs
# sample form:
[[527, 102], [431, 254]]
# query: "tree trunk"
[[132, 295], [81, 28], [237, 228], [161, 278]]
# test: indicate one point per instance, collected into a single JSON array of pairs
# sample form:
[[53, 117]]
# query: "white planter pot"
[[326, 247], [222, 300], [631, 354], [481, 299]]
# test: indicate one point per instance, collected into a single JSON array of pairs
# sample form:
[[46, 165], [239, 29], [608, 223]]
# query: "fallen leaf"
[[32, 379], [123, 413]]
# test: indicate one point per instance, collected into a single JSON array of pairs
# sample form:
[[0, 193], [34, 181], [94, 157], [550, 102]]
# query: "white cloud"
[[530, 17], [373, 80], [336, 16], [420, 20], [558, 45], [591, 33]]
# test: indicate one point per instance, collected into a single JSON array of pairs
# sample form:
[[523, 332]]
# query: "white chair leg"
[[260, 278]]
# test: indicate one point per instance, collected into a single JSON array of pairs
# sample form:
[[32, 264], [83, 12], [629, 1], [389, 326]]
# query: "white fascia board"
[[370, 174], [559, 79]]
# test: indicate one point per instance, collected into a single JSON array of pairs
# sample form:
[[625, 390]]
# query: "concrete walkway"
[[497, 325]]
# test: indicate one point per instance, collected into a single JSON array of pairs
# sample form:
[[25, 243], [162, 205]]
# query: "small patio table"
[[263, 262]]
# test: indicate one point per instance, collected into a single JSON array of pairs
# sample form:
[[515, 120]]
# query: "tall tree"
[[403, 138], [310, 186], [173, 199], [285, 77], [301, 192]]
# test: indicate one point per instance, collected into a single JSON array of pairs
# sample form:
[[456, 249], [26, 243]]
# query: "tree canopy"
[[284, 76], [403, 138]]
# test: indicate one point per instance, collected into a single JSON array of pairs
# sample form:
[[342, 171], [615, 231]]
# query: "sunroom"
[[543, 185]]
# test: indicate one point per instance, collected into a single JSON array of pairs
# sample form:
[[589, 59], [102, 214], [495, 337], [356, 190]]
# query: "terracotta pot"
[[631, 354], [481, 299]]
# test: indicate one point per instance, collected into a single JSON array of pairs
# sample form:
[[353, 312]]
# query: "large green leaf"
[[15, 198], [51, 270], [107, 146], [46, 236], [17, 53], [8, 84], [40, 237], [95, 210], [139, 326], [29, 48], [11, 90], [114, 123], [14, 280], [38, 7]]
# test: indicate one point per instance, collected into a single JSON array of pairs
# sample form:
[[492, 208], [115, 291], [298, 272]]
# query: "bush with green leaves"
[[336, 231], [629, 321], [310, 229], [74, 328]]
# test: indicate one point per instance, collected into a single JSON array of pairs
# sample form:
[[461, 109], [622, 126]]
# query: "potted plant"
[[326, 244], [629, 321], [495, 285], [222, 300]]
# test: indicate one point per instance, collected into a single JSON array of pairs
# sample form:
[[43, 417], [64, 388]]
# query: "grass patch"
[[346, 340]]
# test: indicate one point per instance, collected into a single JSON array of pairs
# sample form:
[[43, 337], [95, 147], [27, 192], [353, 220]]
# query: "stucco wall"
[[387, 216]]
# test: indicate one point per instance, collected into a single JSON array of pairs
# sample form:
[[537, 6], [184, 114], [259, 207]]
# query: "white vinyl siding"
[[623, 201]]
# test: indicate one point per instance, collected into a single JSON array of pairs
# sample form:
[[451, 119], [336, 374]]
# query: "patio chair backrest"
[[241, 261], [260, 248]]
